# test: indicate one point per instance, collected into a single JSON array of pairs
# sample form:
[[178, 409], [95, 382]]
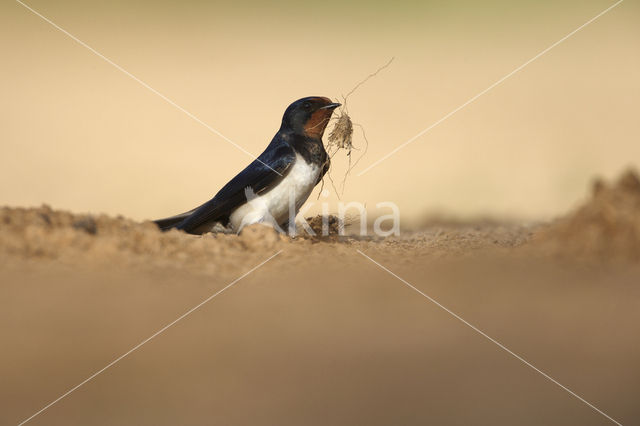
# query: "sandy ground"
[[320, 334]]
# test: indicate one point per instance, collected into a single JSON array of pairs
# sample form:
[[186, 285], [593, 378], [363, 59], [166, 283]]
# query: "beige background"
[[78, 134]]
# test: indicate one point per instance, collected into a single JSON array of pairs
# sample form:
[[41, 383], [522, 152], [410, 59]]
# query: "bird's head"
[[308, 116]]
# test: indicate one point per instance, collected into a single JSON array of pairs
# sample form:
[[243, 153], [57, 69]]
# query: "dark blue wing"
[[260, 175]]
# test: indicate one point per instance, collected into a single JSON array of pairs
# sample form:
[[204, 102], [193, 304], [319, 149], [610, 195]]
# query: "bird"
[[272, 189]]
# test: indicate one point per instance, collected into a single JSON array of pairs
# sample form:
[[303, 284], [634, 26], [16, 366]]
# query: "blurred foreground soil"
[[320, 334]]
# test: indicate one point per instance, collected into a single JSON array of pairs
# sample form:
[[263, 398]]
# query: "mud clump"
[[607, 226], [325, 226]]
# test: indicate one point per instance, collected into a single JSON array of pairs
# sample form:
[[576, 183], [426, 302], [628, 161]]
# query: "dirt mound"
[[606, 226], [44, 233]]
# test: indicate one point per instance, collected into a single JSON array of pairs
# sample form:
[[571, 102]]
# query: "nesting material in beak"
[[341, 134]]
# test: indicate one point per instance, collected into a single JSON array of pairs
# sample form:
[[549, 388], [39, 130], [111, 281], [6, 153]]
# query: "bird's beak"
[[331, 106]]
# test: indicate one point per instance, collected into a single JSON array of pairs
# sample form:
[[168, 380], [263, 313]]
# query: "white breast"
[[274, 206]]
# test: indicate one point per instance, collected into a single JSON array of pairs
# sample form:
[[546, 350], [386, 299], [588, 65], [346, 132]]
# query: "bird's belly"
[[283, 200]]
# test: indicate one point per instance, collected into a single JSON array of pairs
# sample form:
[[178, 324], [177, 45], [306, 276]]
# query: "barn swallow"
[[274, 186]]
